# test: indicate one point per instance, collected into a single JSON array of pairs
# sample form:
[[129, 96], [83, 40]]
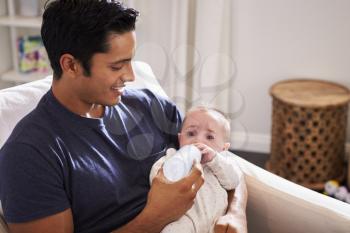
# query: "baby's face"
[[205, 127]]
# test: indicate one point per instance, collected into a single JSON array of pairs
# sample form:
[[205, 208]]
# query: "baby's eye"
[[210, 137], [190, 133]]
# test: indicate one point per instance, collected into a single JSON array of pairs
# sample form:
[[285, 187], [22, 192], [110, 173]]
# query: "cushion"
[[16, 102], [276, 205]]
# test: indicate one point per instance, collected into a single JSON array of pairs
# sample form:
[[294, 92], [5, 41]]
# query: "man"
[[80, 161]]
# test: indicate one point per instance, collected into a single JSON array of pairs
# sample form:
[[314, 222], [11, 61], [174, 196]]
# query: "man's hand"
[[208, 153], [227, 224], [235, 220], [168, 201], [177, 197]]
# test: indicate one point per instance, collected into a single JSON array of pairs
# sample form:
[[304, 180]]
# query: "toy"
[[341, 193], [347, 198], [333, 189], [32, 55]]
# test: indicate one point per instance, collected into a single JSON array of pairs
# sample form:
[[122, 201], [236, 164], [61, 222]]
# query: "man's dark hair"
[[81, 28]]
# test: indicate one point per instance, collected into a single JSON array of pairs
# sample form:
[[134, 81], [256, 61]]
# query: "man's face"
[[109, 71], [205, 127]]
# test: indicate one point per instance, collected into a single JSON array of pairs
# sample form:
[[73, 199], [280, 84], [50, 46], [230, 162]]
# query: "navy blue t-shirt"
[[55, 159]]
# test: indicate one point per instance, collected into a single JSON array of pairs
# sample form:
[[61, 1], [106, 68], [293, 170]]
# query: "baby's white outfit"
[[220, 175]]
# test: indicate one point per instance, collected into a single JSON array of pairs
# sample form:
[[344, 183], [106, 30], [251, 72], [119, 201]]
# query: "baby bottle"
[[179, 165]]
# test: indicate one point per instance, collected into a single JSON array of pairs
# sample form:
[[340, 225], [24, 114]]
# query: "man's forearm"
[[237, 203], [166, 202], [143, 223], [237, 199], [236, 206]]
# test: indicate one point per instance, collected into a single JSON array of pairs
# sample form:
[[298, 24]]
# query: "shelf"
[[20, 21], [13, 76]]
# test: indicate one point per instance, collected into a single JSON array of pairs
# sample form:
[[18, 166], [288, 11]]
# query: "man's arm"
[[57, 223], [166, 202], [235, 220]]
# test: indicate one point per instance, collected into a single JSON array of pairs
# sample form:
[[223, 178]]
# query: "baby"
[[209, 130]]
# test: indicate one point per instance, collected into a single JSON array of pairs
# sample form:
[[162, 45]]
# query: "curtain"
[[189, 45]]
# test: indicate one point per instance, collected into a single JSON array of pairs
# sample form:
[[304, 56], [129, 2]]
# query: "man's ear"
[[69, 65], [226, 146], [179, 136]]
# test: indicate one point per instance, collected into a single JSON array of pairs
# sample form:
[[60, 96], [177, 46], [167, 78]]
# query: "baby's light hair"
[[226, 121]]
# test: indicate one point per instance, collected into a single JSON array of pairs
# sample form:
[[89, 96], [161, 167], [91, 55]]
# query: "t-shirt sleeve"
[[31, 184]]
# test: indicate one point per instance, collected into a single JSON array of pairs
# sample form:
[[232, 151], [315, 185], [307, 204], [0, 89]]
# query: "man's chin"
[[113, 103]]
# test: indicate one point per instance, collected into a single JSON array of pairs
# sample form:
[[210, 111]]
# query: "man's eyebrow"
[[126, 60]]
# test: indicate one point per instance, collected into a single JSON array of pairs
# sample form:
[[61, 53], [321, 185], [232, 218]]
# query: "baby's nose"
[[196, 139]]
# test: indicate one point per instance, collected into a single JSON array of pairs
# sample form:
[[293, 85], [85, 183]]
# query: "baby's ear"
[[179, 136], [226, 146]]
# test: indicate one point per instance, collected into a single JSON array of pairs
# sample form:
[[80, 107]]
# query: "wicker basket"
[[308, 131]]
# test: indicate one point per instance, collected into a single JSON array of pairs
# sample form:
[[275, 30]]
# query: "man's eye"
[[116, 68]]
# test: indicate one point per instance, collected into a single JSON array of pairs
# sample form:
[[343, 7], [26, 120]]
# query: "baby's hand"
[[208, 154], [170, 152]]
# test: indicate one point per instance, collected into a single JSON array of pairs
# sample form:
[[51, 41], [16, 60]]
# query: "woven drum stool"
[[308, 131]]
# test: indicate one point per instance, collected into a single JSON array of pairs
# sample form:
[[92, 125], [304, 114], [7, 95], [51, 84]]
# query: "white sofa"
[[275, 205]]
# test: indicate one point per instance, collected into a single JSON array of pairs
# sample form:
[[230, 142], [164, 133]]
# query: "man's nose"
[[129, 75]]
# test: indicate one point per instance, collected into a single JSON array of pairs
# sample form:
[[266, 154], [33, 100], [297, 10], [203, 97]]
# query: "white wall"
[[280, 39], [273, 40]]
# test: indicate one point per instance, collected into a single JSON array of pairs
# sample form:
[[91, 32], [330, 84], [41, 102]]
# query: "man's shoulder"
[[145, 97], [34, 125], [25, 139], [27, 126], [144, 93]]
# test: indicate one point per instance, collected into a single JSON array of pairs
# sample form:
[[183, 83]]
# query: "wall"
[[5, 54], [280, 39], [273, 40]]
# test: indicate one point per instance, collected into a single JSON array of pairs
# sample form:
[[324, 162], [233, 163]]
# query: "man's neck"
[[96, 111], [68, 98]]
